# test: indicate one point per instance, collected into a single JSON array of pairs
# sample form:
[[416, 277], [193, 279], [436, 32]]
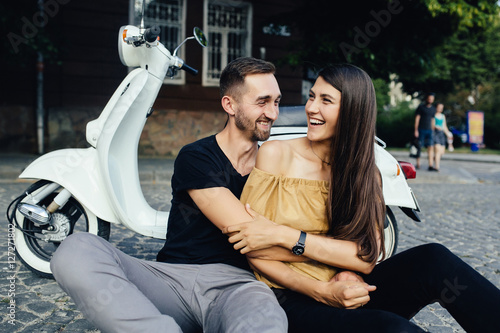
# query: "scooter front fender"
[[77, 170], [395, 188]]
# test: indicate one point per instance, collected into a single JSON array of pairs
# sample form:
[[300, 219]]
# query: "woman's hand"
[[346, 294], [258, 234]]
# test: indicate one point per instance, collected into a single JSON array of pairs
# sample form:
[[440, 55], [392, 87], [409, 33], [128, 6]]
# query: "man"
[[199, 283], [424, 128]]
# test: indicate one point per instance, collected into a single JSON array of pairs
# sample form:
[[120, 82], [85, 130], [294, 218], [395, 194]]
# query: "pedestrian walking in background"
[[441, 133], [424, 128]]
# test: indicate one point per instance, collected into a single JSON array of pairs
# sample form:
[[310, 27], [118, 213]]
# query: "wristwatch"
[[299, 248]]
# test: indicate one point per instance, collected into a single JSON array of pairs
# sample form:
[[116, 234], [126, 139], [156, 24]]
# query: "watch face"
[[298, 250]]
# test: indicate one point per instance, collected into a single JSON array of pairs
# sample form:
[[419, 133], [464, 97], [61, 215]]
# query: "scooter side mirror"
[[200, 37]]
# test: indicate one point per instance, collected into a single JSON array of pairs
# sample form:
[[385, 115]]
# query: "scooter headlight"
[[128, 53]]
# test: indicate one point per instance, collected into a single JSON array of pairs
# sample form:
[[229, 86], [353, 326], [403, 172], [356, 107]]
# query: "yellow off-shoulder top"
[[295, 202]]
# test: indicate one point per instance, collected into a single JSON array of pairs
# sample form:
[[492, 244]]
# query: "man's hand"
[[258, 234], [346, 294], [347, 276]]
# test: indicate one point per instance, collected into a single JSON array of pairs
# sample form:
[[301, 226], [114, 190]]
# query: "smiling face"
[[322, 111], [256, 108], [439, 108]]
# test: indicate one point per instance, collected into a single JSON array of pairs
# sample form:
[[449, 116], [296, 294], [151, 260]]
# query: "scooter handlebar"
[[151, 34], [189, 69]]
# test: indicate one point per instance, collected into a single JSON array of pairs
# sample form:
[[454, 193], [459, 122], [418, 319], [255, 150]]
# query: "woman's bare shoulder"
[[275, 156]]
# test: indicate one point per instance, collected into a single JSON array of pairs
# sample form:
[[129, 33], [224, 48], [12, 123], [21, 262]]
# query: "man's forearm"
[[283, 275]]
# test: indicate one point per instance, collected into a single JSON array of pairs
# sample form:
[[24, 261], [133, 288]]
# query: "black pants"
[[405, 284]]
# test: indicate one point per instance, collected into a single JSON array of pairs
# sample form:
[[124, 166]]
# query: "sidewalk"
[[402, 155]]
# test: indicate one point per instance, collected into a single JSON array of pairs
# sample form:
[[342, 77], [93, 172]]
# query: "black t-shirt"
[[426, 116], [191, 237]]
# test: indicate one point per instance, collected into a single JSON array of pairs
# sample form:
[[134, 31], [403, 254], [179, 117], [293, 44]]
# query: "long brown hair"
[[356, 205]]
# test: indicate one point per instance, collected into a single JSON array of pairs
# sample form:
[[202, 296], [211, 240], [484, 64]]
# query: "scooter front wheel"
[[391, 234], [35, 243]]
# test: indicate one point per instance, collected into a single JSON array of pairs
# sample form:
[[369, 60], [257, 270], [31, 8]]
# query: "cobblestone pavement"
[[460, 209]]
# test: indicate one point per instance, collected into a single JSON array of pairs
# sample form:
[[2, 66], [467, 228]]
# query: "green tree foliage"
[[395, 126], [383, 37], [451, 47], [382, 92], [471, 63], [469, 58]]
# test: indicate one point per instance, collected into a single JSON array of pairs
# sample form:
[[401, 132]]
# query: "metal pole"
[[39, 96], [39, 103]]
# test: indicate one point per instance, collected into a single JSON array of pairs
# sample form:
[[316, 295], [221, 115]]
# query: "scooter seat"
[[291, 116]]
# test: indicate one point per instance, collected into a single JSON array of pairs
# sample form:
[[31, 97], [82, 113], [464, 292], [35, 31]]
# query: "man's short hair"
[[233, 76]]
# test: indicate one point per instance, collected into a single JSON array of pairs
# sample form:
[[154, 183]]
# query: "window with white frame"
[[170, 16], [228, 26]]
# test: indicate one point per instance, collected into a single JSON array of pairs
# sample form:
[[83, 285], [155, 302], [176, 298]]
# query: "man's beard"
[[244, 124]]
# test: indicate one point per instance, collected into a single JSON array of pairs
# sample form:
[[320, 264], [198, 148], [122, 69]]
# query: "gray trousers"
[[119, 293]]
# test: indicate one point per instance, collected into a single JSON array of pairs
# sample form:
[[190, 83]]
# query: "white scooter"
[[87, 189]]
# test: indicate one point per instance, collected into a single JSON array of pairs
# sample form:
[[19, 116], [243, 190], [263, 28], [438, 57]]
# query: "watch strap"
[[299, 247], [302, 238]]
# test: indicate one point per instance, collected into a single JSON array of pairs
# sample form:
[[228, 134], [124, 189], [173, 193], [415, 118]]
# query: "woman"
[[324, 193], [441, 133]]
